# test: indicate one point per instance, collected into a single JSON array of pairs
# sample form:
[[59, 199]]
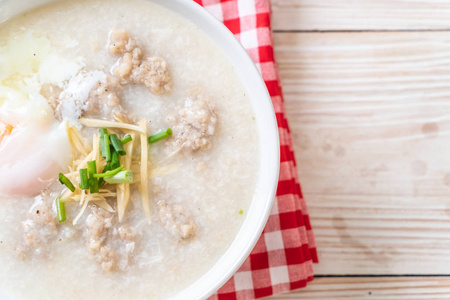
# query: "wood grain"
[[370, 115], [361, 15], [373, 288]]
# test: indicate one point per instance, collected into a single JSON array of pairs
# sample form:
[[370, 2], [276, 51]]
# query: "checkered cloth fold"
[[283, 256]]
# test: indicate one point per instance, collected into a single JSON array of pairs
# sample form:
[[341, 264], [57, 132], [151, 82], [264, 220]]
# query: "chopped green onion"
[[93, 185], [101, 181], [125, 139], [109, 173], [104, 144], [125, 176], [115, 161], [93, 182], [160, 135], [61, 210], [92, 168], [84, 181], [115, 142], [64, 180]]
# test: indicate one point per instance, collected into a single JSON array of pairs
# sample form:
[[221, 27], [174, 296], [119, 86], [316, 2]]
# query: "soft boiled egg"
[[34, 147]]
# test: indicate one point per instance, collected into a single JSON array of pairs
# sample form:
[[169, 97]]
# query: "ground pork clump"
[[132, 67], [121, 42], [40, 227], [195, 123], [111, 245], [86, 95], [51, 93], [103, 100], [174, 219]]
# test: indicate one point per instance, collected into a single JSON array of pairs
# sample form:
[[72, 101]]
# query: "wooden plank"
[[370, 116], [381, 234], [399, 288], [360, 15]]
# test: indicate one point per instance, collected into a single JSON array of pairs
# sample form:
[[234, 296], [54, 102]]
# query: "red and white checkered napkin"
[[283, 257]]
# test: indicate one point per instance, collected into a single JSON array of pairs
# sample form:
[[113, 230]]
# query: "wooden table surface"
[[367, 90]]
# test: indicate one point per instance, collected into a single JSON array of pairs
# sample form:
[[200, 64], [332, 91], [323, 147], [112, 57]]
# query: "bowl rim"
[[246, 69], [269, 149]]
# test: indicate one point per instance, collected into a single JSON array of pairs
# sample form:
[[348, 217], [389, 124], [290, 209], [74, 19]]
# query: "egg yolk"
[[6, 131]]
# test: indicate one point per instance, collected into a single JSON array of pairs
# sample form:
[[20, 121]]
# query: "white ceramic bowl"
[[267, 130]]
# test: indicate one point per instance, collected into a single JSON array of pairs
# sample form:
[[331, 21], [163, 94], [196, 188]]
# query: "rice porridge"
[[128, 152]]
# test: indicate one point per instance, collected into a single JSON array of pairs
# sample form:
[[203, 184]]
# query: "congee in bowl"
[[129, 152]]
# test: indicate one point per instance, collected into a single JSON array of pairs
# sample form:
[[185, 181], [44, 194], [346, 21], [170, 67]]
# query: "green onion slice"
[[104, 144], [115, 142], [101, 181], [109, 173], [93, 182], [93, 185], [125, 176], [115, 161], [125, 139], [61, 210], [84, 181], [159, 136], [92, 168], [64, 180]]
